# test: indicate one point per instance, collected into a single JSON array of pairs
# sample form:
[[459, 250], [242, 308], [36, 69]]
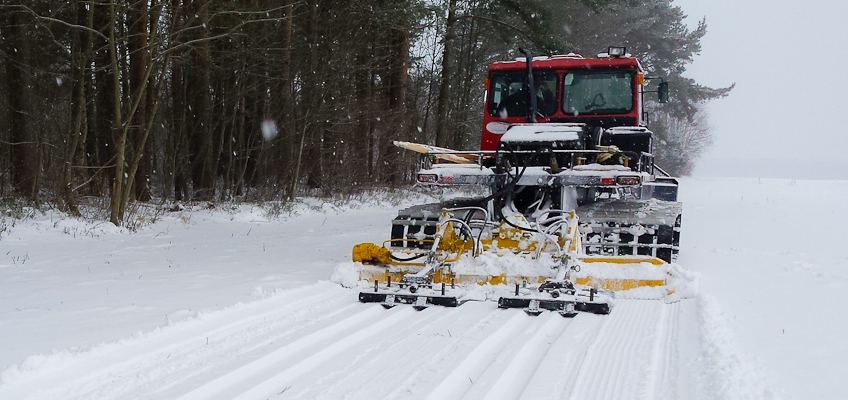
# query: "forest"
[[127, 101]]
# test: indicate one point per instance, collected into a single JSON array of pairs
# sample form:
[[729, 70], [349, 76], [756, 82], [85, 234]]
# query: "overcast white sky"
[[786, 118]]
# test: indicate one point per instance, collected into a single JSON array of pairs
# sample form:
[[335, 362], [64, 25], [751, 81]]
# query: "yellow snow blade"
[[649, 271], [382, 268], [619, 284], [621, 259], [614, 284]]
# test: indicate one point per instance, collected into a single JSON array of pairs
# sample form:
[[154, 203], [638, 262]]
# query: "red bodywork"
[[560, 65]]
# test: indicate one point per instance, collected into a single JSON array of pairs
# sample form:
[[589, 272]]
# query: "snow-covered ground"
[[774, 257], [232, 304]]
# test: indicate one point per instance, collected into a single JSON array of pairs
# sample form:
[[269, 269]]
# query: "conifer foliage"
[[134, 100]]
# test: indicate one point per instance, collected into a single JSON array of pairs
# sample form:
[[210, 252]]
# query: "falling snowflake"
[[269, 129]]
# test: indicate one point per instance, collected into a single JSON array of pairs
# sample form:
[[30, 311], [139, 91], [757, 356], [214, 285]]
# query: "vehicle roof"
[[567, 61]]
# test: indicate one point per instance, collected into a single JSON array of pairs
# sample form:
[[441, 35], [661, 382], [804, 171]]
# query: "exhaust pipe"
[[531, 87]]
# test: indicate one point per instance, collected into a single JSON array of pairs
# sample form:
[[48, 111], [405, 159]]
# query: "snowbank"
[[729, 373]]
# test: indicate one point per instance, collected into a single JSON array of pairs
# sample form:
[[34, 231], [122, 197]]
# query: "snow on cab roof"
[[542, 132]]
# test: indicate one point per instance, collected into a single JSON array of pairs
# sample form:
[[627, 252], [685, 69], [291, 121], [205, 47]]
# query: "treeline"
[[209, 99]]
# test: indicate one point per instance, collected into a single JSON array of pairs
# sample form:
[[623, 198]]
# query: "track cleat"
[[389, 302], [594, 301], [533, 308], [420, 303], [568, 311]]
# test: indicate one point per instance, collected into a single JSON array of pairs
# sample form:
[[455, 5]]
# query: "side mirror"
[[662, 92]]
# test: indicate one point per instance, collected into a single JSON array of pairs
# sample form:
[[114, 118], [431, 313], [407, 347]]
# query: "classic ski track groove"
[[601, 362], [319, 343], [175, 355], [429, 345], [557, 372], [439, 363], [289, 373], [461, 378], [511, 381], [661, 384], [620, 361]]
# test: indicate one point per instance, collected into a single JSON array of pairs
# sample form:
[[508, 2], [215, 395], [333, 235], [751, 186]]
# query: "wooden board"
[[439, 152]]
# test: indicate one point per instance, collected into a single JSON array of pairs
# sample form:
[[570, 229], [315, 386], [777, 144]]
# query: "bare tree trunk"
[[468, 88], [371, 137], [444, 90], [361, 92], [120, 138], [178, 137], [239, 155], [288, 126], [100, 145], [297, 167], [139, 60], [136, 162], [429, 104], [121, 187], [228, 152], [81, 54], [312, 115], [22, 149], [397, 95], [198, 84]]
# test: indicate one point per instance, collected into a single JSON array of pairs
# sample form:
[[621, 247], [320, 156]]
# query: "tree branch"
[[58, 21], [495, 21]]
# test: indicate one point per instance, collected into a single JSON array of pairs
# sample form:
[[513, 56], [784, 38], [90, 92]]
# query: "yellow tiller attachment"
[[505, 239]]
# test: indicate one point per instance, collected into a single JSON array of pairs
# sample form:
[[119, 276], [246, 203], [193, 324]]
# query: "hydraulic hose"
[[393, 257]]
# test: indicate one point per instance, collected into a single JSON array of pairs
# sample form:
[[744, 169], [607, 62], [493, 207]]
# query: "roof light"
[[616, 51]]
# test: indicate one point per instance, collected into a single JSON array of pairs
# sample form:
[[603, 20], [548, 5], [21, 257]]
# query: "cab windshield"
[[597, 92], [508, 94]]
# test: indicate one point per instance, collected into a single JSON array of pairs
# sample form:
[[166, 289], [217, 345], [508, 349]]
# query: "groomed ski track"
[[318, 342]]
